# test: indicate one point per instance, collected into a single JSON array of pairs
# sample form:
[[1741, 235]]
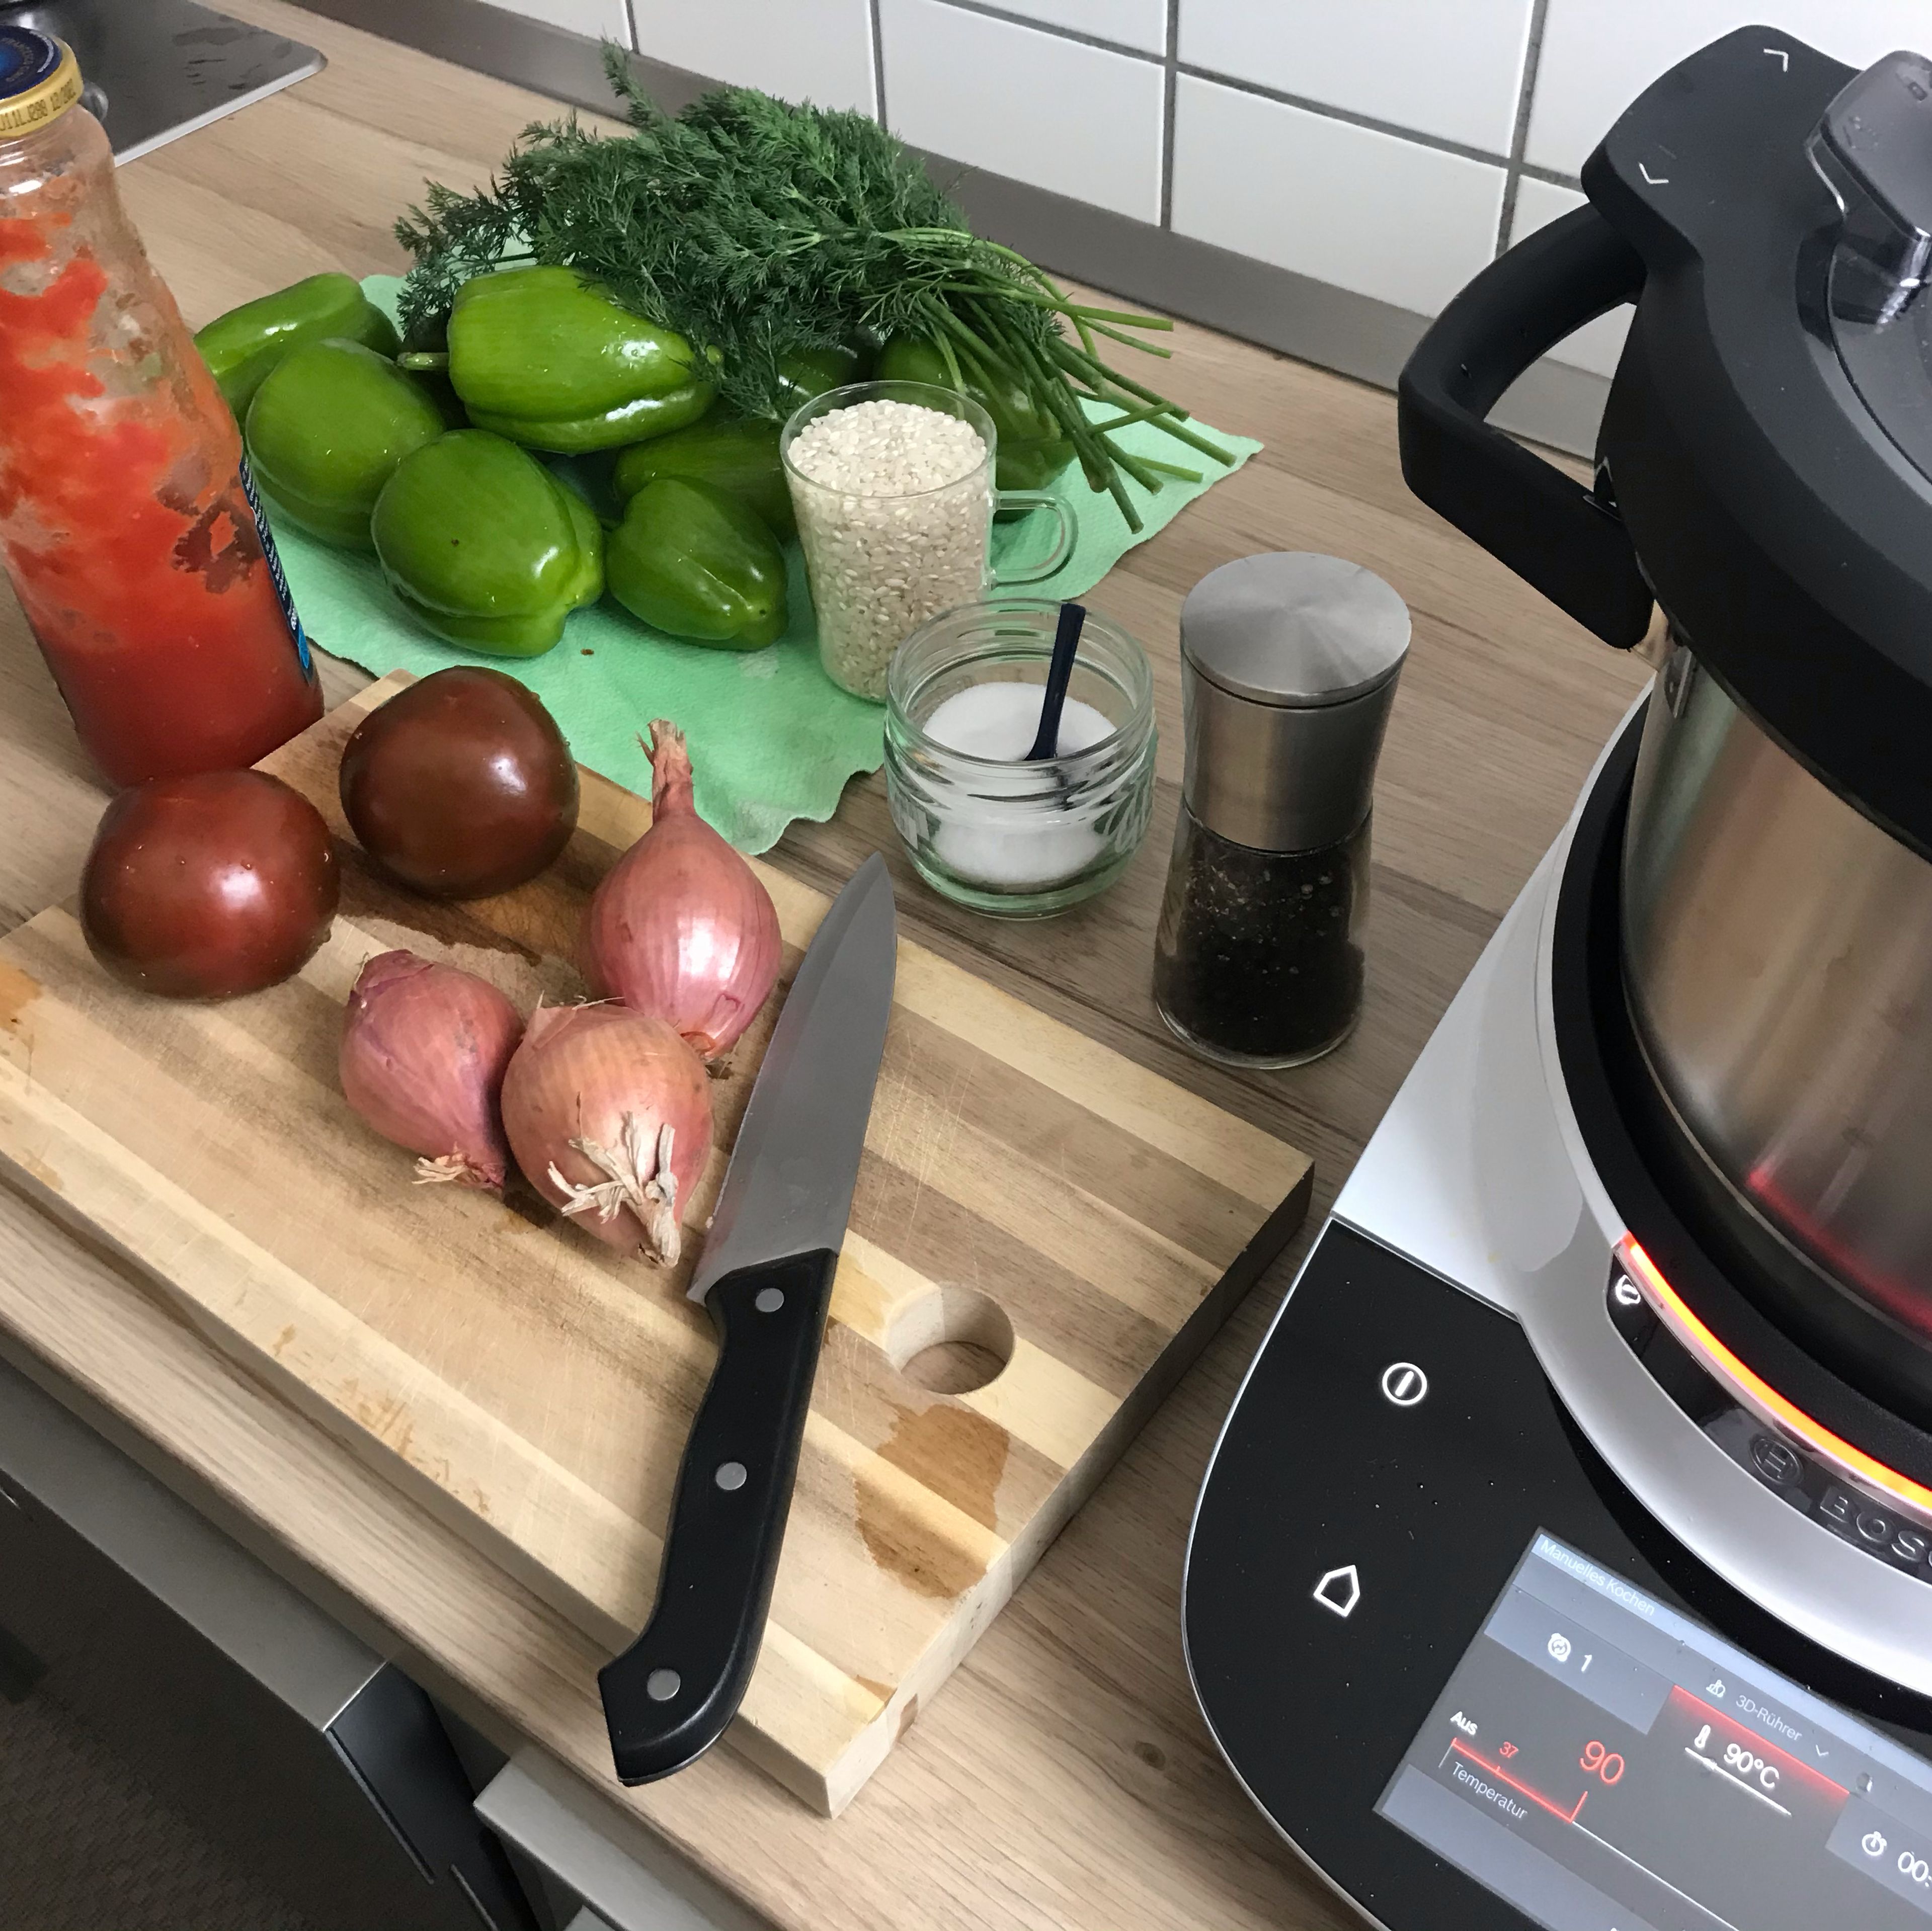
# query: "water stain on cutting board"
[[38, 1169], [18, 991], [958, 1454]]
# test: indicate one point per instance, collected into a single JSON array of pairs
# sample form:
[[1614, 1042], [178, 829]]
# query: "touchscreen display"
[[1605, 1764]]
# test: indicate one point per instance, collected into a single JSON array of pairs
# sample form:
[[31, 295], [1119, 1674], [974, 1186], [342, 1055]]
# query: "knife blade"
[[765, 1274]]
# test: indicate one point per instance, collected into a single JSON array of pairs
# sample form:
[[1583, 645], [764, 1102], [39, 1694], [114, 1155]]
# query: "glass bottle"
[[128, 523], [1288, 666]]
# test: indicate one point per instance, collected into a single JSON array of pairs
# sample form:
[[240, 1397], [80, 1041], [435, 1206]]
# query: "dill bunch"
[[753, 227]]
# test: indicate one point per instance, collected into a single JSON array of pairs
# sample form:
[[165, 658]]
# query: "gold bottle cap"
[[40, 79]]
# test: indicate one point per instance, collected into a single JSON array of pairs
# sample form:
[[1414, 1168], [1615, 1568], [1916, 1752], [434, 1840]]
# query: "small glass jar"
[[882, 565], [1019, 840]]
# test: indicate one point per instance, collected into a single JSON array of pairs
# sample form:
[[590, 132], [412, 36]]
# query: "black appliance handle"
[[669, 1696], [1553, 531]]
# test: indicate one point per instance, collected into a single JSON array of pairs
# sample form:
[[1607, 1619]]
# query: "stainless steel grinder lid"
[[1288, 665]]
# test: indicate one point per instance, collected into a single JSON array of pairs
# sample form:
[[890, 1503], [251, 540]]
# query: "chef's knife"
[[765, 1274]]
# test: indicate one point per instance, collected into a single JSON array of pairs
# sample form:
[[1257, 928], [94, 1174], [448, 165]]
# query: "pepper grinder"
[[1288, 666]]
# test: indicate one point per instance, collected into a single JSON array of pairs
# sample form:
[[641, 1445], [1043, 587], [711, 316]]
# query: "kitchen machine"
[[1566, 1560]]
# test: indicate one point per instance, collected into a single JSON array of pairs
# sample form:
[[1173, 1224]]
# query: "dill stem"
[[1097, 373], [1081, 431], [1132, 341], [1074, 310], [1173, 469], [1146, 413], [1225, 457], [1136, 468]]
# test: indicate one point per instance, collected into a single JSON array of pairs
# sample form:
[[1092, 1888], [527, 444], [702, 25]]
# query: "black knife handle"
[[669, 1696]]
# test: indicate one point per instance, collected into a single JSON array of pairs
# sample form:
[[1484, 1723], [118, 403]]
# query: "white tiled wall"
[[817, 50], [1082, 120], [1139, 24], [1453, 69], [1346, 204], [1390, 147]]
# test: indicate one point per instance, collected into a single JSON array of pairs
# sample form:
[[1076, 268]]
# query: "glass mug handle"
[[1069, 527]]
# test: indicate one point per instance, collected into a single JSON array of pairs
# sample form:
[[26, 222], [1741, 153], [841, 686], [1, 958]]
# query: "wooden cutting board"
[[1030, 1201]]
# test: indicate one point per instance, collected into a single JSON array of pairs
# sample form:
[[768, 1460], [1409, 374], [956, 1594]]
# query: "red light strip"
[[1496, 1770], [1761, 1398], [1759, 1741]]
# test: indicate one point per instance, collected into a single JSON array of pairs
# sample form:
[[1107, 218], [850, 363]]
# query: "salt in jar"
[[982, 825]]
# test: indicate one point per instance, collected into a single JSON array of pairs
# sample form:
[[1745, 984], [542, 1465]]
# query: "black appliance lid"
[[1769, 434]]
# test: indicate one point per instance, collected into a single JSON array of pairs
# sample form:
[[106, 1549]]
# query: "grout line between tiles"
[[1532, 57], [1175, 66], [1167, 93], [878, 65], [1060, 33], [1440, 143]]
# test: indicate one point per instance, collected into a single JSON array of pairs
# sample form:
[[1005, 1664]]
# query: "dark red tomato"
[[204, 887], [461, 785]]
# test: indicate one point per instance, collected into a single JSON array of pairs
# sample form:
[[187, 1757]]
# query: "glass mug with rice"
[[892, 486]]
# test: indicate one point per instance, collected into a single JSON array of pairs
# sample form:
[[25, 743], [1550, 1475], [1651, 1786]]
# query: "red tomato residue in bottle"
[[127, 532]]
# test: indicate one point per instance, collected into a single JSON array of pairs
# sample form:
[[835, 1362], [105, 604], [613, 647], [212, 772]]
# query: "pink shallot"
[[681, 927], [424, 1051]]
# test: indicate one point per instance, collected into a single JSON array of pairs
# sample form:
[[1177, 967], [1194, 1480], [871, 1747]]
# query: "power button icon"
[[1404, 1384]]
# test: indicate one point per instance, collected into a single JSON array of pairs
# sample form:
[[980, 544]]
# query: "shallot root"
[[652, 1199]]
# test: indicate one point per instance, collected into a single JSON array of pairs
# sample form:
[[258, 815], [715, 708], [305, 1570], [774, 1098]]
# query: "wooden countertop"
[[1063, 1777]]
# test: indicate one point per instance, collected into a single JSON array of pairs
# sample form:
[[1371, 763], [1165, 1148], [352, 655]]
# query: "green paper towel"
[[771, 738]]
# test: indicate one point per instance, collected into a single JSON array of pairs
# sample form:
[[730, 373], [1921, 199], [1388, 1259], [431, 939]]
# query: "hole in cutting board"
[[951, 1341]]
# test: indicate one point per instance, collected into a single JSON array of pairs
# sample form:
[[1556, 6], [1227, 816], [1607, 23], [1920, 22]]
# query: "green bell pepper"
[[325, 432], [1033, 449], [691, 560], [485, 546], [805, 373], [738, 453], [241, 347], [548, 359]]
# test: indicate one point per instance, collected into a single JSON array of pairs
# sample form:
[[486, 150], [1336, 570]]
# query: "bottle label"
[[275, 573]]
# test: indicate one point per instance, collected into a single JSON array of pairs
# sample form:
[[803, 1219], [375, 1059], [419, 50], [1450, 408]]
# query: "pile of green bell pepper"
[[425, 457]]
